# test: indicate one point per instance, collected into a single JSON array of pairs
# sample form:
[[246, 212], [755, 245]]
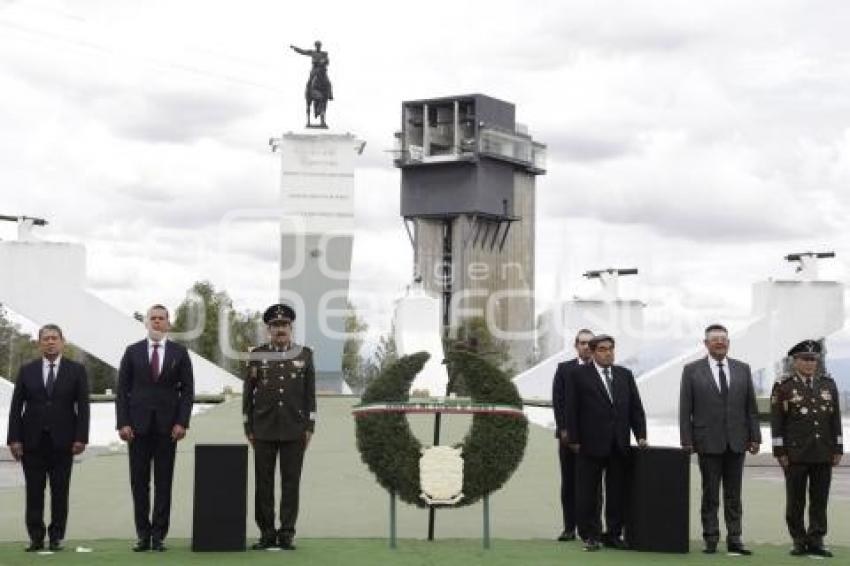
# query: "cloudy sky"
[[697, 141]]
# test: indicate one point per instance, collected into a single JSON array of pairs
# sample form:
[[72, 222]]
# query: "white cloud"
[[698, 142]]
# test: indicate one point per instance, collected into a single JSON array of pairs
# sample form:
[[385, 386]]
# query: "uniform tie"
[[724, 387], [155, 363], [609, 382], [51, 380]]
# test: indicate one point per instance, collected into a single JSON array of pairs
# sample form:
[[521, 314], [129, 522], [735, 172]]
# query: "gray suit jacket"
[[704, 422]]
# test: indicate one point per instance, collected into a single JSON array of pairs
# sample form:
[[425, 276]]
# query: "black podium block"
[[658, 514], [220, 507]]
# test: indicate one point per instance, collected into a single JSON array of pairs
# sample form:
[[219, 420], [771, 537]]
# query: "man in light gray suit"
[[718, 419]]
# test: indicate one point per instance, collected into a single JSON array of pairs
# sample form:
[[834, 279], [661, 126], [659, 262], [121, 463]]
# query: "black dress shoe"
[[710, 548], [158, 546], [286, 544], [738, 548], [263, 544], [567, 536], [55, 546], [591, 546], [798, 549], [819, 550], [142, 545], [35, 546]]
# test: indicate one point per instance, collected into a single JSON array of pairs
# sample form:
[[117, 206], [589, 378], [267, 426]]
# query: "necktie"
[[809, 384], [608, 382], [51, 379], [724, 387], [155, 363]]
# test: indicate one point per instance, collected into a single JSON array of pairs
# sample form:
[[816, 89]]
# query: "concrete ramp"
[[785, 312], [535, 383], [45, 282], [6, 388], [418, 328]]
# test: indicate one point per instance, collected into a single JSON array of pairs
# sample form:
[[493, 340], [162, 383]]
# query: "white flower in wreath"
[[441, 475], [298, 363]]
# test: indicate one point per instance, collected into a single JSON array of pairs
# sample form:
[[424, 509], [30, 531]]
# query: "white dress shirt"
[[161, 351], [715, 371], [45, 369], [601, 372]]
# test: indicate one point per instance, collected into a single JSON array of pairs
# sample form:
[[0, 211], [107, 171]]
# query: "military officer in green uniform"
[[807, 441], [279, 410]]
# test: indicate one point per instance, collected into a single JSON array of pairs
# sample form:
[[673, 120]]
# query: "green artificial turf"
[[373, 552], [342, 505]]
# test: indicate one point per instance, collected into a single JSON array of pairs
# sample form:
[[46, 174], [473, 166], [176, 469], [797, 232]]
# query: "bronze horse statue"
[[318, 90]]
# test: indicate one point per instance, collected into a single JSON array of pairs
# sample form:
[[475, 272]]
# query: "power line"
[[182, 67]]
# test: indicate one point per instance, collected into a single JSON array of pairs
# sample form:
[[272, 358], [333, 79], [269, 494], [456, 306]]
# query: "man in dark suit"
[[565, 455], [718, 420], [603, 406], [48, 425], [153, 408], [279, 413]]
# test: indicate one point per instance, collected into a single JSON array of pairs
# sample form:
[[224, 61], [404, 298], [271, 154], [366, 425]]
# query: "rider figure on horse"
[[318, 90]]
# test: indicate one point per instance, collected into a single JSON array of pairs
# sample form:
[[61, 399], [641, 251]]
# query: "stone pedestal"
[[317, 200]]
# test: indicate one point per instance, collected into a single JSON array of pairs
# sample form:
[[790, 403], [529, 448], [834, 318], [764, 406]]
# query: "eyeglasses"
[[807, 358]]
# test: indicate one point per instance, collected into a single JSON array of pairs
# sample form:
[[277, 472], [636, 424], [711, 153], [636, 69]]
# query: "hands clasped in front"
[[17, 449], [178, 433]]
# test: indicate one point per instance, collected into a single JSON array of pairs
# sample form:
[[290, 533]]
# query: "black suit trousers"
[[43, 463], [265, 460], [589, 474], [156, 450], [728, 469], [568, 486]]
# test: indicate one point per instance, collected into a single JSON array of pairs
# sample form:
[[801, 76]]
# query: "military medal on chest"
[[298, 364]]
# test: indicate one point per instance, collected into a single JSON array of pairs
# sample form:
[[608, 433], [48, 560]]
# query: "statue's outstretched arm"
[[299, 50]]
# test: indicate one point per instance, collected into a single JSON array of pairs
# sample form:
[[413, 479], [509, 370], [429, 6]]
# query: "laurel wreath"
[[491, 450]]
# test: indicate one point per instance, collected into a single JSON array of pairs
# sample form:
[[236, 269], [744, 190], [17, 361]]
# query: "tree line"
[[18, 348], [197, 324], [198, 320]]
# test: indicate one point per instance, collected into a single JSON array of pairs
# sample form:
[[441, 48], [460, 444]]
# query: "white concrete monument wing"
[[418, 329], [60, 296], [785, 312], [6, 388]]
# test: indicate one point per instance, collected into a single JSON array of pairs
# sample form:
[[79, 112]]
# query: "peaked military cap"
[[805, 347], [278, 313]]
